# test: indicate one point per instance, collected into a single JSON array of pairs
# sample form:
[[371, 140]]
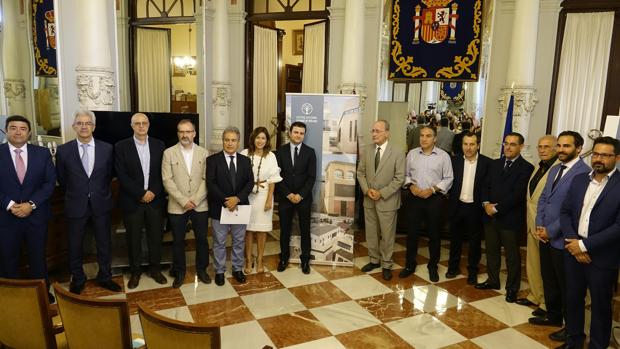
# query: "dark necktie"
[[296, 155], [542, 168], [507, 165], [377, 158], [558, 177], [233, 171]]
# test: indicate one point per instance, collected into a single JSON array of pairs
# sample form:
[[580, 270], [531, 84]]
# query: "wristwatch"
[[33, 205]]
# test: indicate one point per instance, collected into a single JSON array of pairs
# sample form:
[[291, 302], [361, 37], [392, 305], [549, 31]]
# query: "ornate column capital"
[[222, 101], [96, 87], [524, 102], [14, 89], [354, 88]]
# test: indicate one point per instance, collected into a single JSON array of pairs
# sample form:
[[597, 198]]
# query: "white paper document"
[[239, 216]]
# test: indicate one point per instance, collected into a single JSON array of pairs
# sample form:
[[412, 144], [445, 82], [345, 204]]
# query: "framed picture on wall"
[[298, 42]]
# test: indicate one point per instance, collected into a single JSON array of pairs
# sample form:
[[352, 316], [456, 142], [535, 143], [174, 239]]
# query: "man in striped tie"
[[28, 181]]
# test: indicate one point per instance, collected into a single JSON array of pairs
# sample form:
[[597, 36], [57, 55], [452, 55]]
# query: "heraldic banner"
[[435, 40], [332, 130], [44, 37]]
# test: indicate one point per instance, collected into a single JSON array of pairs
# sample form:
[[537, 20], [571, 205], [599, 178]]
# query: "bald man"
[[137, 161]]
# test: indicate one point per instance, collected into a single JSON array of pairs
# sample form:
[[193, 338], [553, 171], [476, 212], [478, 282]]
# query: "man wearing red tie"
[[28, 181]]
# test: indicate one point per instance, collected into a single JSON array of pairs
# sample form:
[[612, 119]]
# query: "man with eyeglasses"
[[137, 161], [590, 225], [503, 200], [84, 167], [183, 171]]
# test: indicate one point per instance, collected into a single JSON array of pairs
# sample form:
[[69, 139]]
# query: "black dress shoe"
[[305, 267], [172, 272], [558, 336], [387, 274], [110, 285], [158, 277], [282, 266], [486, 286], [511, 296], [451, 274], [472, 279], [51, 298], [525, 302], [219, 279], [370, 266], [239, 276], [538, 312], [178, 281], [433, 275], [406, 272], [203, 276], [76, 287], [134, 281], [545, 321]]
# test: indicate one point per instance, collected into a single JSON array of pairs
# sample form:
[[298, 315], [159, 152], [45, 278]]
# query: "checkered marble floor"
[[342, 307]]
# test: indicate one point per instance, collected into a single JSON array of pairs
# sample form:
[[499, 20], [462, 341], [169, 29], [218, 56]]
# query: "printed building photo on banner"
[[335, 144]]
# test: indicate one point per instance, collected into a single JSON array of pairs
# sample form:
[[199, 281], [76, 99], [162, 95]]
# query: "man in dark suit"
[[28, 181], [229, 182], [503, 199], [137, 161], [297, 162], [457, 150], [84, 167], [590, 221], [549, 231], [465, 206]]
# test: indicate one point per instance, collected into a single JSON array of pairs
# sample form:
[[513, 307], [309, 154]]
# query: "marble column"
[[220, 86], [352, 74], [431, 94], [94, 73], [520, 73], [14, 66]]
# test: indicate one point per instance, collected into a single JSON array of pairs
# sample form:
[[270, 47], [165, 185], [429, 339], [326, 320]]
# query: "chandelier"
[[186, 63]]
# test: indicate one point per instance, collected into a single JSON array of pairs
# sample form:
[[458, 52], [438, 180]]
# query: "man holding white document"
[[229, 181]]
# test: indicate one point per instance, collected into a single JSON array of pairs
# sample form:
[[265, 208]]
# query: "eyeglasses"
[[83, 123], [602, 155], [376, 131]]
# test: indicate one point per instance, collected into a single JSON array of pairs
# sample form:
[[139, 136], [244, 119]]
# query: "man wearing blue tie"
[[28, 181], [84, 168]]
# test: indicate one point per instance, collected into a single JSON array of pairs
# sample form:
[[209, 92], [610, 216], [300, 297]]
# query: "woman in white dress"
[[266, 174]]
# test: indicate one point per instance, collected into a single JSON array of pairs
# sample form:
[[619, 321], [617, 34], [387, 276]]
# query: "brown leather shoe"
[[134, 281]]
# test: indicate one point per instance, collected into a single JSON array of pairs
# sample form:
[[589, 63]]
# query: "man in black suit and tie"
[[297, 162], [503, 199], [28, 181], [137, 161], [465, 206], [84, 167], [229, 182], [590, 221]]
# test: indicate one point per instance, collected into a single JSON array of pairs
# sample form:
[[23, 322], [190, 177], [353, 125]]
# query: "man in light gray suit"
[[381, 174]]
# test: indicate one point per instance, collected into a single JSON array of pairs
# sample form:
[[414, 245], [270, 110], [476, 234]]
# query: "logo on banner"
[[435, 22], [307, 108]]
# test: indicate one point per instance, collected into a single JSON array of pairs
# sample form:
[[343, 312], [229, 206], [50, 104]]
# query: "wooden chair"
[[94, 323], [166, 333], [26, 315]]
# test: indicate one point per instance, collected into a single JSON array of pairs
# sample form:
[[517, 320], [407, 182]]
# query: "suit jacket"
[[532, 200], [80, 190], [298, 179], [38, 187], [387, 179], [220, 185], [603, 241], [508, 191], [550, 202], [131, 177], [413, 138], [181, 185], [457, 143], [458, 168]]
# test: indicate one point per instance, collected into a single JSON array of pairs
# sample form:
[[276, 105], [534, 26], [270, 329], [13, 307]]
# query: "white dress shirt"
[[589, 200], [234, 155], [383, 147], [188, 157], [469, 175], [91, 154], [568, 166], [24, 155], [145, 159]]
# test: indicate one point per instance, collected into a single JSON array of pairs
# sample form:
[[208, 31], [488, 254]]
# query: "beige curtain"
[[153, 69], [265, 77], [314, 58], [582, 75]]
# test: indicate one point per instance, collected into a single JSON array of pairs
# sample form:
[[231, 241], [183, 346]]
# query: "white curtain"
[[582, 75], [265, 77], [314, 58], [153, 68]]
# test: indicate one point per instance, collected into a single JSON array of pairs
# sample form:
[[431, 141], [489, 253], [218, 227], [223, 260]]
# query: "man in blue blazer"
[[590, 224], [549, 232], [85, 166], [28, 181], [229, 182]]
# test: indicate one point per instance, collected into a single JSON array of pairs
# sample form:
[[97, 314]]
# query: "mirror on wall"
[[29, 70]]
